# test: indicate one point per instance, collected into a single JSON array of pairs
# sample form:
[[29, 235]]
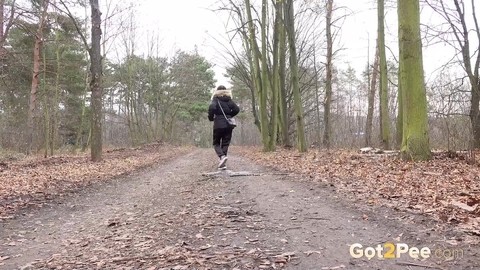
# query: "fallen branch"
[[126, 259], [318, 218], [420, 265]]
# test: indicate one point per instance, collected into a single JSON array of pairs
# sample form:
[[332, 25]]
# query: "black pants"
[[221, 140]]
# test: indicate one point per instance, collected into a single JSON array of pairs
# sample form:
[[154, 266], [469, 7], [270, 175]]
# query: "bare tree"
[[383, 91], [43, 8], [290, 26], [462, 41], [371, 100], [328, 81], [94, 51], [96, 82], [5, 28]]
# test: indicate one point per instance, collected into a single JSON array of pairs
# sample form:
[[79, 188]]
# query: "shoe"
[[223, 168], [223, 160]]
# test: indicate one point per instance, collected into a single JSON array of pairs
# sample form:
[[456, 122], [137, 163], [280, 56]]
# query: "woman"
[[222, 132]]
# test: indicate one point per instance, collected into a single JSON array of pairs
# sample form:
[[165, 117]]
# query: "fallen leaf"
[[287, 254], [310, 252], [464, 206], [398, 238], [204, 247], [334, 267]]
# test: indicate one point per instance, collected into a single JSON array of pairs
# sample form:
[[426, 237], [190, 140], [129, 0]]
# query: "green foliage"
[[154, 96], [63, 57], [158, 92]]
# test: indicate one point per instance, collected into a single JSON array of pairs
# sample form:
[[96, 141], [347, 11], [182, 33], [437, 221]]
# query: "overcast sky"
[[184, 24]]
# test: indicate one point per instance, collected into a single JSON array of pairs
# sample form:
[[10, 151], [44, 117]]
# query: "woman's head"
[[222, 92]]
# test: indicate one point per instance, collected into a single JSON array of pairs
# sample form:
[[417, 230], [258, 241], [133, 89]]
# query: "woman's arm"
[[234, 109], [211, 110]]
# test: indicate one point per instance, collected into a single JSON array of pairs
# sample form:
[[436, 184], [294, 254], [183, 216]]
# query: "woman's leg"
[[226, 138], [217, 137]]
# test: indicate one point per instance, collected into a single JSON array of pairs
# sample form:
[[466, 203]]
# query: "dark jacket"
[[224, 99]]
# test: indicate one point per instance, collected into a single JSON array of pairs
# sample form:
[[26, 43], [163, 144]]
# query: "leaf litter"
[[32, 181], [446, 189], [192, 230], [181, 238]]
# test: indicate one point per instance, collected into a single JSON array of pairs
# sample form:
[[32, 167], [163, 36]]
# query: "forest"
[[282, 66], [106, 158]]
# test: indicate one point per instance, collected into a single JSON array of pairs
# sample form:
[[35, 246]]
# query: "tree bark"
[[415, 145], [399, 124], [328, 80], [371, 100], [56, 97], [275, 109], [254, 58], [290, 23], [384, 113], [285, 124], [35, 76], [2, 17], [317, 99], [96, 83], [46, 111], [266, 129], [475, 111], [474, 77]]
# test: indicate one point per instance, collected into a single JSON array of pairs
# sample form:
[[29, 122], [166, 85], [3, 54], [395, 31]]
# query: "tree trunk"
[[35, 76], [254, 58], [5, 26], [290, 26], [2, 33], [384, 115], [2, 10], [250, 58], [415, 145], [266, 131], [96, 83], [46, 110], [371, 100], [275, 115], [474, 75], [475, 111], [34, 92], [400, 114], [282, 95], [328, 82], [317, 99], [54, 117]]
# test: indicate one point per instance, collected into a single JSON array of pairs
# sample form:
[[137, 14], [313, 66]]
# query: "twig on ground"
[[420, 265]]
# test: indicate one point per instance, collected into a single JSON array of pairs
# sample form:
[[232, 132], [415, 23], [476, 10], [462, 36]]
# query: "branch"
[[477, 28], [74, 20]]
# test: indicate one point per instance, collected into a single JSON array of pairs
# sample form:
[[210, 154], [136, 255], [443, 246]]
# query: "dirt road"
[[173, 217]]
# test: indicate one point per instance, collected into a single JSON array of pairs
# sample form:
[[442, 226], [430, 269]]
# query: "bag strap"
[[218, 101]]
